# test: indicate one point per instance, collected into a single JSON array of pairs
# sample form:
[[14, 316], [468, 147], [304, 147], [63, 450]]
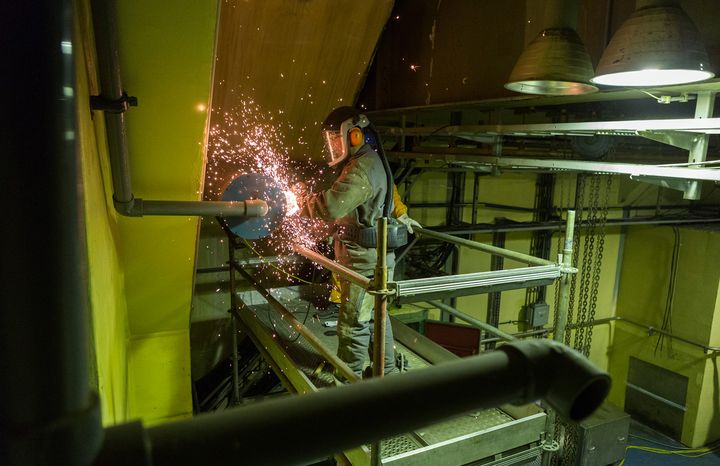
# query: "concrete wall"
[[643, 291]]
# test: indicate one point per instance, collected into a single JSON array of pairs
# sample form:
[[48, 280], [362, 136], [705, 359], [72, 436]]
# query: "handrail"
[[333, 266], [473, 321], [502, 252]]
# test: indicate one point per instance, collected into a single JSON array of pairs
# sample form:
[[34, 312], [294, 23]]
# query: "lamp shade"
[[657, 46], [554, 63]]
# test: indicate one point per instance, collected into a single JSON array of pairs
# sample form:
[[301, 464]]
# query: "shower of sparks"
[[251, 140]]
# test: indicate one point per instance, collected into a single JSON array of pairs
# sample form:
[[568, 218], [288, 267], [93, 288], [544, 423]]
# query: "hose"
[[388, 172]]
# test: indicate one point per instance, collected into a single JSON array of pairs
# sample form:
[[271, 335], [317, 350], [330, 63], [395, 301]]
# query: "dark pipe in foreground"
[[48, 413], [300, 429]]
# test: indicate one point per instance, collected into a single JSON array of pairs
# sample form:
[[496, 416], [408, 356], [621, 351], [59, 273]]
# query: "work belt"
[[367, 236]]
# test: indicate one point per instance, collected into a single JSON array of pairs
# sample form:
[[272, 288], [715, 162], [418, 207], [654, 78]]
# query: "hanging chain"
[[602, 221], [587, 266], [591, 222]]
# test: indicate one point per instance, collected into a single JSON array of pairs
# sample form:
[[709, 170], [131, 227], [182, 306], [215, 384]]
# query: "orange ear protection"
[[356, 137]]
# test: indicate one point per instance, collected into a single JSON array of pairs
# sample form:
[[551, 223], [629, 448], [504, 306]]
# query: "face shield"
[[336, 147]]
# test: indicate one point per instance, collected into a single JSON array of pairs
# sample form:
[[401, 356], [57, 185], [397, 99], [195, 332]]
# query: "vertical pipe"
[[105, 21], [48, 413], [560, 326], [234, 327], [561, 318]]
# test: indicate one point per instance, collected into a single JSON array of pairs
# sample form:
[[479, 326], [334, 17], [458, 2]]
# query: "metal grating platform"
[[397, 445], [462, 440], [473, 422]]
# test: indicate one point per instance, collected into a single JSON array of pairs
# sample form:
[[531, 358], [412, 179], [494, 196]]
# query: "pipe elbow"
[[131, 208], [566, 379]]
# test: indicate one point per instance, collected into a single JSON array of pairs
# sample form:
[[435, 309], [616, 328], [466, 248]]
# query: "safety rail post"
[[380, 290], [379, 287]]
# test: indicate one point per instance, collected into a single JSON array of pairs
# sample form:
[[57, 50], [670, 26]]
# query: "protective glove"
[[408, 222]]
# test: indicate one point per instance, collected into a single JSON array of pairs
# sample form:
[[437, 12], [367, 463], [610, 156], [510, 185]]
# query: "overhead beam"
[[630, 169]]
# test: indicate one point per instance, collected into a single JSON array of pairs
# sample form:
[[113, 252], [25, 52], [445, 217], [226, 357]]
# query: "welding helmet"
[[342, 129]]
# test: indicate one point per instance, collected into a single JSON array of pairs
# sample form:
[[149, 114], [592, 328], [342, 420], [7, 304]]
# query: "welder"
[[361, 193]]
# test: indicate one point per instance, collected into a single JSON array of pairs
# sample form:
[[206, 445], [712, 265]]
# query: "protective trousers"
[[355, 328]]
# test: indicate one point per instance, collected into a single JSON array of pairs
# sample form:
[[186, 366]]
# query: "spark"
[[246, 139], [414, 67], [291, 202]]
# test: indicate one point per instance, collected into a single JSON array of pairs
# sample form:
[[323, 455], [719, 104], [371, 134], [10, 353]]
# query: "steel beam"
[[587, 128], [420, 344], [630, 169], [291, 377], [525, 101]]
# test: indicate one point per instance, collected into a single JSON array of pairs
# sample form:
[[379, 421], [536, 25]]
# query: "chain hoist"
[[591, 222]]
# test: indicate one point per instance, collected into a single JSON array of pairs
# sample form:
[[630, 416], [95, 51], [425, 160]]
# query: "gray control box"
[[538, 314]]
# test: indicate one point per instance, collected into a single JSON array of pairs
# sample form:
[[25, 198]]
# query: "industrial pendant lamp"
[[555, 62], [657, 46]]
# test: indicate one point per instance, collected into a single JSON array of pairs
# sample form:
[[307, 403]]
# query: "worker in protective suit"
[[354, 202], [399, 212]]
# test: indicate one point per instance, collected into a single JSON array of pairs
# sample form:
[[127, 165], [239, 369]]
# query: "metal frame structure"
[[282, 363], [542, 272], [690, 134]]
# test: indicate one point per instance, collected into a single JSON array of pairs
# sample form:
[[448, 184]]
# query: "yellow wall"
[[166, 56], [105, 275], [141, 269], [645, 276]]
